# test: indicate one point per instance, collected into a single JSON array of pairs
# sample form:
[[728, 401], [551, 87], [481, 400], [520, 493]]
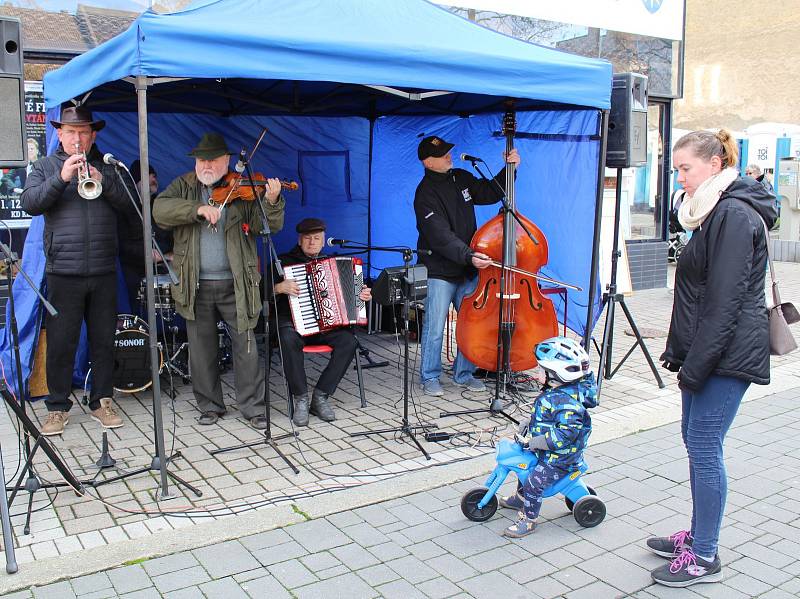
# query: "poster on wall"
[[13, 180], [761, 151]]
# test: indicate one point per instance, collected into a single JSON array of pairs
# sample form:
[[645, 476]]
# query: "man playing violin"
[[216, 260], [310, 241], [80, 244], [444, 205]]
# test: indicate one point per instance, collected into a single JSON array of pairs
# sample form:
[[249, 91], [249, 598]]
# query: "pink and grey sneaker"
[[671, 546], [688, 569]]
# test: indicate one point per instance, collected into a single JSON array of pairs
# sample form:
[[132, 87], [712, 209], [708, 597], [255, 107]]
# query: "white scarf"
[[694, 209]]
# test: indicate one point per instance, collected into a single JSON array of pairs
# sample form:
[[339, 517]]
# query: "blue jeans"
[[706, 417], [440, 295]]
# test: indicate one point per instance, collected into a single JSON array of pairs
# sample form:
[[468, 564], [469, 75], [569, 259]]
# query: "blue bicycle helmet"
[[563, 359]]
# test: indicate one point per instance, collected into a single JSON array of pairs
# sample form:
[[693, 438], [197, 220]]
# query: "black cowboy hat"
[[77, 115], [211, 145]]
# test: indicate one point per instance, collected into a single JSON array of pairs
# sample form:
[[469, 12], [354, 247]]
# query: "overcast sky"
[[70, 5]]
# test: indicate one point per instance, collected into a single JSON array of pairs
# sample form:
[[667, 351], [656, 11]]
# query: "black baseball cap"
[[433, 145]]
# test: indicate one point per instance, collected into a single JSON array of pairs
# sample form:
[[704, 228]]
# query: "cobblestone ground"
[[422, 546], [117, 529]]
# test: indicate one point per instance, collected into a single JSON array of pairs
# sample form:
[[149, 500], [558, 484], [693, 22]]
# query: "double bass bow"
[[500, 323]]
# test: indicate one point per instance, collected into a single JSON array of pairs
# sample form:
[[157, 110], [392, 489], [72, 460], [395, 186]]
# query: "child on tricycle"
[[547, 452]]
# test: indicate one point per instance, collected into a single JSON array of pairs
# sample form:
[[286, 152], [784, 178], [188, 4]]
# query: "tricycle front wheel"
[[470, 501]]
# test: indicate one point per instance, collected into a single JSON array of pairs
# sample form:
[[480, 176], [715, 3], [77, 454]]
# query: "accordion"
[[329, 289]]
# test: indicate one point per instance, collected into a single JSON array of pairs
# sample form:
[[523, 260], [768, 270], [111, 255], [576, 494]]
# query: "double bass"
[[500, 323]]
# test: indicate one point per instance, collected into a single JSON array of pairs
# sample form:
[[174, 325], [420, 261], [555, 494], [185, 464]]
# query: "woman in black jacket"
[[719, 338]]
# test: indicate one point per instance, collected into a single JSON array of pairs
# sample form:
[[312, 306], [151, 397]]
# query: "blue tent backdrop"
[[345, 87]]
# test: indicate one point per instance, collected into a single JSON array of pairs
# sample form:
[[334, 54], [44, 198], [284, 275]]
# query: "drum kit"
[[132, 343]]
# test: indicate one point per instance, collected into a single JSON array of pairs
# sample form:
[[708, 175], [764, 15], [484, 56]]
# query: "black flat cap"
[[310, 225]]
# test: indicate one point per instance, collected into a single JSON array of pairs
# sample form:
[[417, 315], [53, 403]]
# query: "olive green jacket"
[[176, 209]]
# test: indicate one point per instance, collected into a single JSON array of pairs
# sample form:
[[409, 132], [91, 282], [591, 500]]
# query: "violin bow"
[[536, 276]]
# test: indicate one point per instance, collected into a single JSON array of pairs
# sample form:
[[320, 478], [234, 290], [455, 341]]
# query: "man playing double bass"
[[215, 257], [445, 212]]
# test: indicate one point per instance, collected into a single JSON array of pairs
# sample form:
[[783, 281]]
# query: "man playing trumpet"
[[80, 244]]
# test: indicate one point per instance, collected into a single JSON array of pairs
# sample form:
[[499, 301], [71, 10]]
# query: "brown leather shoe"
[[106, 415], [55, 423]]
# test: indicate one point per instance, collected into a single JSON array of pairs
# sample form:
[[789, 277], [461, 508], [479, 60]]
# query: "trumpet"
[[88, 188]]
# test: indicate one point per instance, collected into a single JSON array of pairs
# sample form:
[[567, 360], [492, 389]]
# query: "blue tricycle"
[[481, 504]]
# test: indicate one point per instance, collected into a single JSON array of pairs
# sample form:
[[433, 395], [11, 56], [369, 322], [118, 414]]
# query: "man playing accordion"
[[310, 240]]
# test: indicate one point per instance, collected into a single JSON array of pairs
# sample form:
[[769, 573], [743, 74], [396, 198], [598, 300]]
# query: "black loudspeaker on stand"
[[390, 286], [627, 123], [13, 151], [627, 147]]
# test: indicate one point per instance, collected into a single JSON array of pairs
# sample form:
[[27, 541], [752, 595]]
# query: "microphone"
[[109, 159], [239, 168], [332, 241], [468, 158]]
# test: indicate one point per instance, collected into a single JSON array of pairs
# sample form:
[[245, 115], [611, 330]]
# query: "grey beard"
[[208, 179]]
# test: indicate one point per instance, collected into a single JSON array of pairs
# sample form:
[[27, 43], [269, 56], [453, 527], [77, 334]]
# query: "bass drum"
[[132, 355]]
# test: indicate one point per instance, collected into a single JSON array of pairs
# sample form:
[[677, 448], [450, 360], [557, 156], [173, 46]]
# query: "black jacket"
[[131, 235], [80, 236], [443, 205], [719, 316]]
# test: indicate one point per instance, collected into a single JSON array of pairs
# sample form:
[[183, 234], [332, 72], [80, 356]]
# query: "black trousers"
[[343, 342], [92, 299]]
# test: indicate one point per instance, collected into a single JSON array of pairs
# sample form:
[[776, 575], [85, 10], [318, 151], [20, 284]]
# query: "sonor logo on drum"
[[131, 356], [129, 343]]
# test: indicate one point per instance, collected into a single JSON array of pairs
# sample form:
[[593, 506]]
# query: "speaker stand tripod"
[[611, 299]]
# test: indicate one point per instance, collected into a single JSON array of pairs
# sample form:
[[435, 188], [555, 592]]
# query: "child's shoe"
[[521, 528], [512, 502], [671, 546], [688, 569]]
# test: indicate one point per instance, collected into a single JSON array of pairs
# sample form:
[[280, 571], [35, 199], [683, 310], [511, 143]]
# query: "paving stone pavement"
[[86, 534], [421, 545]]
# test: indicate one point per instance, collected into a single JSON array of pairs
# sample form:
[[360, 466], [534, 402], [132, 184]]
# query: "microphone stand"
[[496, 407], [32, 482], [405, 427], [154, 242], [160, 461], [266, 242]]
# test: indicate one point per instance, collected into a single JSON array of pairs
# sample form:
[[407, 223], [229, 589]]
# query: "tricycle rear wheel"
[[589, 511], [571, 504]]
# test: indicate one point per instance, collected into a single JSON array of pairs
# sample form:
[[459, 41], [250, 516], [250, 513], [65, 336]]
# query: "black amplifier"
[[392, 285]]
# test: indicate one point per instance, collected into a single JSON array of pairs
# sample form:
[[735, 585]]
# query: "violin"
[[235, 187]]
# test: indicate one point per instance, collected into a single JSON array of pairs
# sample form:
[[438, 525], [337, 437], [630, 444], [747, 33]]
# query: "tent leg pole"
[[144, 160], [598, 219]]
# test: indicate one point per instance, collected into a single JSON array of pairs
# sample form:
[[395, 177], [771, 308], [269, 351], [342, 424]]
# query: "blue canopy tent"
[[345, 87]]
